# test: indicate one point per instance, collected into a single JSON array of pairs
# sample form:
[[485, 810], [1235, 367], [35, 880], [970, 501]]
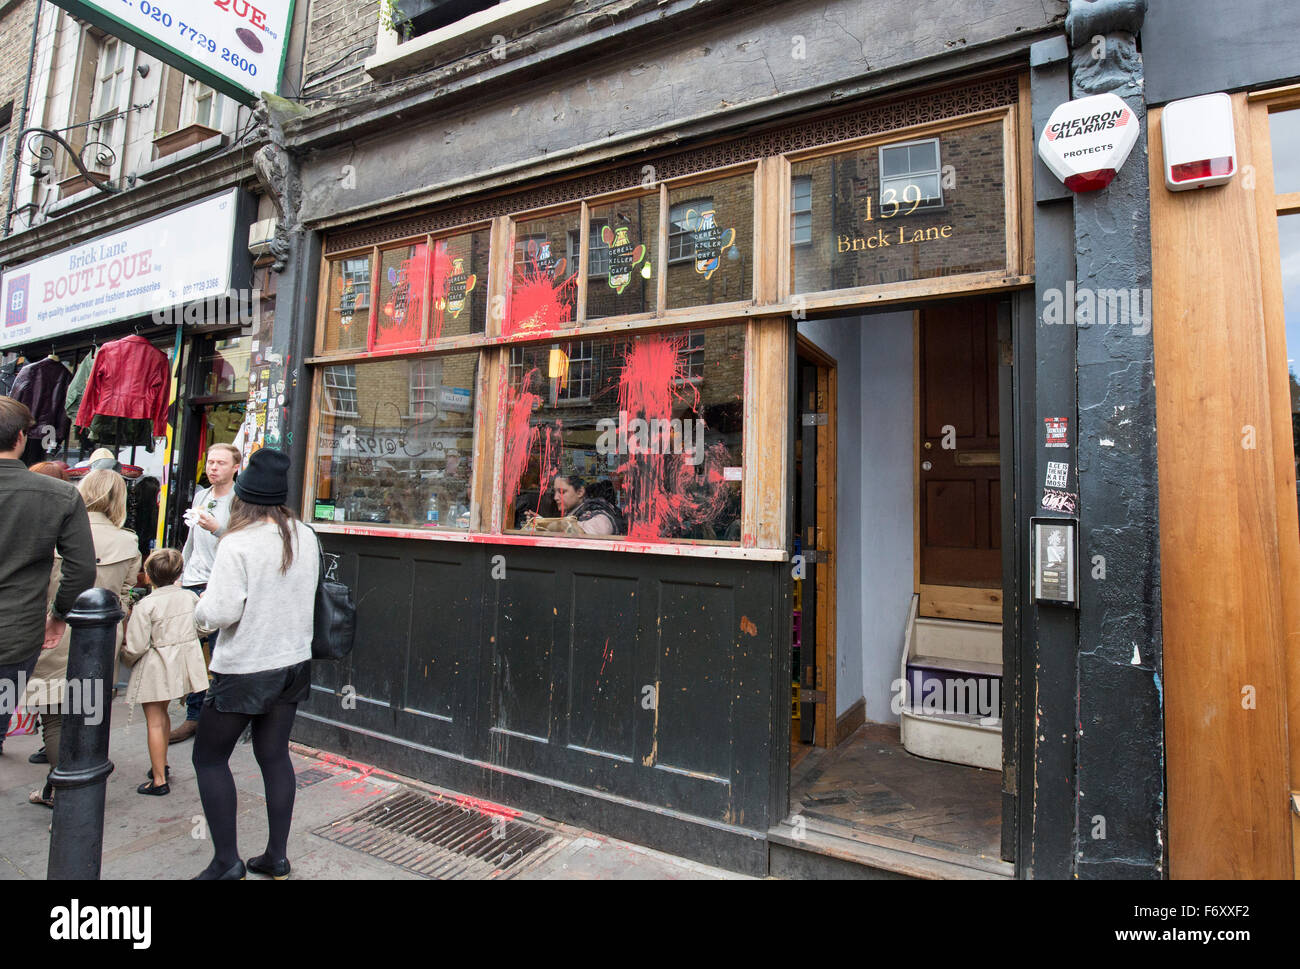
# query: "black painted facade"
[[645, 685]]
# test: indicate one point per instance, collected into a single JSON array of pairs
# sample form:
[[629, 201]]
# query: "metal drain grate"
[[314, 775], [441, 838]]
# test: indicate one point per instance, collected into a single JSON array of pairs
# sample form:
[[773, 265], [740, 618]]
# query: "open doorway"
[[896, 732]]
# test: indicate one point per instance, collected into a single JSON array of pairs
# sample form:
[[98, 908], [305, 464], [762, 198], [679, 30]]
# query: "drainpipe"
[[22, 118]]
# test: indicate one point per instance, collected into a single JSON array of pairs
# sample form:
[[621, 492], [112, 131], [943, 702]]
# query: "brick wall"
[[335, 31], [16, 21]]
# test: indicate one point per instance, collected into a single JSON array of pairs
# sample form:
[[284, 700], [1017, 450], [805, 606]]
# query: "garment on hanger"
[[119, 432], [9, 373], [43, 387], [130, 378], [77, 389]]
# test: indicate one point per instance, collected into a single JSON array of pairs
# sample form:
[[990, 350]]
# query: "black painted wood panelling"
[[638, 676]]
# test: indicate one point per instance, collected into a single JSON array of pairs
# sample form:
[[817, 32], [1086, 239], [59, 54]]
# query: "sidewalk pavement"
[[165, 837]]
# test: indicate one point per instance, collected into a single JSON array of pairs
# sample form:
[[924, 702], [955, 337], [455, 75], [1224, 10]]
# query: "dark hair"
[[245, 513], [164, 566], [15, 419], [576, 481]]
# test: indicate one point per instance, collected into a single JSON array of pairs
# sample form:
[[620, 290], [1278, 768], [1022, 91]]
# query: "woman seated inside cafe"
[[585, 506]]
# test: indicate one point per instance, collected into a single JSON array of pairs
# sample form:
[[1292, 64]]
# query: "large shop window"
[[394, 442], [631, 437], [917, 209]]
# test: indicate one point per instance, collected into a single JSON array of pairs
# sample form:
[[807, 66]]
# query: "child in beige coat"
[[162, 646]]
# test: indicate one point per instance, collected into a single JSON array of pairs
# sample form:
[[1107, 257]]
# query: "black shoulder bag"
[[336, 616]]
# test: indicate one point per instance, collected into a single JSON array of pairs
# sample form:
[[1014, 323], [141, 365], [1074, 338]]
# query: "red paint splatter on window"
[[398, 321], [541, 298], [441, 270], [521, 437]]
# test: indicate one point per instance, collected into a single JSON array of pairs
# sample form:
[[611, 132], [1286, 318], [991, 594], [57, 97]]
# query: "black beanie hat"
[[265, 479]]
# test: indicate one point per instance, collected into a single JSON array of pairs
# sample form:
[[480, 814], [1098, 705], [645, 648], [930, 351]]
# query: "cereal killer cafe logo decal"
[[459, 285], [624, 256], [710, 241], [347, 303]]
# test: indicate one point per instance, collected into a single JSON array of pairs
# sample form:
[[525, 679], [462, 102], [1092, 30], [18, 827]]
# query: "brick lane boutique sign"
[[235, 46], [182, 256]]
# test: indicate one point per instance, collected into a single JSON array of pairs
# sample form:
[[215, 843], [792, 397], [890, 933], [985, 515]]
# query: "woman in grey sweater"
[[261, 596]]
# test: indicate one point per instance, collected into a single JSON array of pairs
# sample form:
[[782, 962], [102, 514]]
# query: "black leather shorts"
[[256, 693]]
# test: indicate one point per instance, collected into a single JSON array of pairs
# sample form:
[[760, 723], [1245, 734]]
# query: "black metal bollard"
[[81, 779]]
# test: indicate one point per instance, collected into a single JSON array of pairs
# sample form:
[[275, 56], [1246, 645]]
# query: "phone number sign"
[[235, 46]]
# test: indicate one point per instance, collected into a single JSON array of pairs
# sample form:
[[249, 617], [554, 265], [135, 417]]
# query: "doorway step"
[[952, 671], [804, 848]]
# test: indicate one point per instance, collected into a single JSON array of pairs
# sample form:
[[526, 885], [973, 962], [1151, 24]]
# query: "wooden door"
[[958, 494]]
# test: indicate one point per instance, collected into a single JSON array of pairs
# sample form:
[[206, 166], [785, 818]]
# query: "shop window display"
[[394, 442], [650, 449]]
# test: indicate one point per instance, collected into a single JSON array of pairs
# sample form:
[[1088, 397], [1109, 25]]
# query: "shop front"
[[149, 298], [577, 450]]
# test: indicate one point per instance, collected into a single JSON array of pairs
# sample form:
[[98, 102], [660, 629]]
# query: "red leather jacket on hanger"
[[132, 378]]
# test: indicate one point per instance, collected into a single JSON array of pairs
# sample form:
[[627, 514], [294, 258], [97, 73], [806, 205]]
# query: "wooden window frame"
[[766, 317], [1270, 206]]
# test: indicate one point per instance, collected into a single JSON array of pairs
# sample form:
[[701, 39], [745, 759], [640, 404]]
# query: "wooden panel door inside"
[[958, 495]]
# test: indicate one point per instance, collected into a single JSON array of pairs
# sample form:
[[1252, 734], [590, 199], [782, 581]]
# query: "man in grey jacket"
[[37, 515]]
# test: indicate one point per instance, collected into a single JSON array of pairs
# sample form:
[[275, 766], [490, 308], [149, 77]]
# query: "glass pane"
[[544, 284], [395, 442], [1284, 132], [923, 157], [224, 367], [403, 278], [711, 243], [460, 277], [347, 314], [863, 236], [621, 267], [1288, 230], [907, 190], [637, 437], [894, 161]]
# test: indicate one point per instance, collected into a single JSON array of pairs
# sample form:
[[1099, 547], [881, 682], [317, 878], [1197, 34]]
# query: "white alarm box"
[[1200, 147]]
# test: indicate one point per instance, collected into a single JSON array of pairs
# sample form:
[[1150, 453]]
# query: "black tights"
[[213, 744]]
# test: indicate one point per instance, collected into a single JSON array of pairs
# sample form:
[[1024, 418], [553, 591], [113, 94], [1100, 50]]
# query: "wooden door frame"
[[825, 572], [941, 601]]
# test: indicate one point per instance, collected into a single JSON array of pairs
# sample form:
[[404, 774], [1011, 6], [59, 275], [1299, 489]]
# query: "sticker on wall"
[[1058, 474], [624, 256], [731, 474], [1058, 431], [1057, 500], [710, 241]]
